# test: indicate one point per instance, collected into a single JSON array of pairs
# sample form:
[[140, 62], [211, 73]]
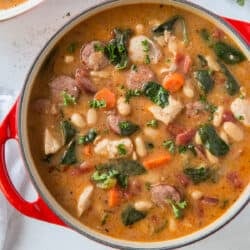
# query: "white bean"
[[212, 159], [224, 136], [100, 74], [151, 133], [139, 28], [233, 131], [218, 114], [196, 194], [78, 120], [123, 107], [68, 59], [143, 205], [188, 90], [140, 146], [197, 138], [91, 116], [212, 64], [172, 225]]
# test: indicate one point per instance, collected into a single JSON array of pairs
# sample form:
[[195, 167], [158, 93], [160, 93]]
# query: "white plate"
[[11, 12]]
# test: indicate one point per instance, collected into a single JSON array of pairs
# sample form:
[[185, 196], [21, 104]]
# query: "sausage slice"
[[94, 60], [161, 192], [137, 78], [63, 83]]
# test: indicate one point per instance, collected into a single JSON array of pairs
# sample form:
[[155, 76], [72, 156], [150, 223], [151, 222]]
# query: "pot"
[[45, 207]]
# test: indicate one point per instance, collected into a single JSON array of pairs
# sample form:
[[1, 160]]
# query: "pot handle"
[[37, 209], [242, 27]]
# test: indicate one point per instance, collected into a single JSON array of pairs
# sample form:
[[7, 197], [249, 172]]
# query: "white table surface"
[[21, 39]]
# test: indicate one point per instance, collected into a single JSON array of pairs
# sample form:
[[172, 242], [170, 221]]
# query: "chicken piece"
[[138, 51], [51, 143], [241, 109], [84, 199], [110, 148], [167, 114]]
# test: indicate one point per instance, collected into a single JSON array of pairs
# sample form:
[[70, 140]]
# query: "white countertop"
[[21, 39]]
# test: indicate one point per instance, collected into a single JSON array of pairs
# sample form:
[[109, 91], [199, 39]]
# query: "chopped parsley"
[[145, 46], [134, 67], [131, 93], [240, 117], [88, 138], [147, 59], [68, 99], [170, 145], [96, 104], [98, 47], [153, 123], [121, 149], [177, 207]]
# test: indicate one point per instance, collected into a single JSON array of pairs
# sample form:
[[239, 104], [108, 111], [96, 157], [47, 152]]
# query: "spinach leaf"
[[212, 141], [121, 149], [231, 84], [205, 35], [169, 26], [127, 128], [69, 156], [130, 215], [68, 131], [177, 208], [119, 170], [152, 123], [227, 53], [156, 93], [204, 79], [88, 138], [68, 99], [198, 175], [116, 49]]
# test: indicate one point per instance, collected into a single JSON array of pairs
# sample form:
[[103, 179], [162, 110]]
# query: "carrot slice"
[[114, 197], [87, 150], [174, 82], [157, 160], [108, 96]]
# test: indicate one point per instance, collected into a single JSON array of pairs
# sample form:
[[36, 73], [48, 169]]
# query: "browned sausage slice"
[[113, 123], [137, 78], [83, 81], [161, 192], [185, 137], [93, 59], [63, 83]]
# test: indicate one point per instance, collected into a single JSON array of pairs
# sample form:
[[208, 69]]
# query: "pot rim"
[[40, 187]]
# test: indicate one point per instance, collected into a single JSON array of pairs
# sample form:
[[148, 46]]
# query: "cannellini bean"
[[68, 59], [78, 120], [218, 115], [143, 205], [139, 28], [224, 136], [212, 64], [100, 74], [233, 131], [123, 107], [91, 116], [140, 146], [51, 143], [172, 226], [188, 90], [134, 156], [241, 108], [151, 133], [196, 194], [84, 199], [197, 138], [212, 159]]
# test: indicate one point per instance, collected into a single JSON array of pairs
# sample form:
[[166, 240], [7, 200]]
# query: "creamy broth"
[[198, 204]]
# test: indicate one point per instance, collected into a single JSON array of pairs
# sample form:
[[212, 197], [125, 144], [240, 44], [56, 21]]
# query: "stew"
[[139, 122]]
